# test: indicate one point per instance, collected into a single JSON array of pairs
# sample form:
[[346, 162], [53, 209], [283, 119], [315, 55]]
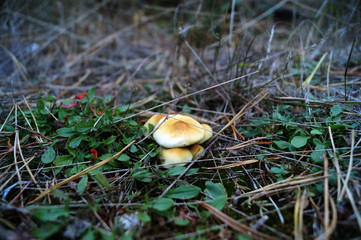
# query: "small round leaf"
[[299, 141]]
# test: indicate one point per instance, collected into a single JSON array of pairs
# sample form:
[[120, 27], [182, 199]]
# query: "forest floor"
[[277, 81]]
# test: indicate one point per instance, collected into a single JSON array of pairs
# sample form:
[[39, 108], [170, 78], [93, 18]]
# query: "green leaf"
[[40, 105], [184, 192], [317, 156], [280, 170], [133, 149], [46, 230], [281, 144], [103, 181], [48, 156], [162, 204], [175, 171], [191, 171], [109, 140], [215, 190], [335, 110], [132, 123], [299, 141], [143, 176], [49, 98], [123, 158], [50, 213], [122, 108], [276, 170], [144, 217], [316, 132], [91, 92], [319, 145], [128, 140], [185, 109], [65, 132], [75, 142], [89, 235], [82, 127], [219, 202], [105, 156], [63, 160], [217, 193], [243, 237], [82, 184], [181, 221]]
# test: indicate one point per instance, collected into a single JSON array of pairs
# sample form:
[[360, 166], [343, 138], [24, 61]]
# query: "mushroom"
[[207, 133], [196, 150], [153, 121], [178, 131], [176, 156]]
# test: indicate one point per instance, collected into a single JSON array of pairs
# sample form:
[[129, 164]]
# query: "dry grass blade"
[[27, 121], [297, 232], [144, 101], [18, 147], [13, 175], [19, 65], [243, 111], [7, 118], [309, 78], [330, 228], [77, 84], [353, 204], [337, 166], [237, 226], [350, 164], [16, 162], [328, 75], [187, 96], [248, 143], [326, 194], [298, 214], [107, 40], [79, 174], [286, 184], [15, 153], [237, 164]]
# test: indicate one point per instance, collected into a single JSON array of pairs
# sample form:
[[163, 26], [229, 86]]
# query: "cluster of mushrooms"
[[179, 136]]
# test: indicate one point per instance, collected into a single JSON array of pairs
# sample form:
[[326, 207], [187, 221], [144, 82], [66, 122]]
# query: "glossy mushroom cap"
[[196, 150], [175, 156], [207, 133], [178, 131], [153, 121]]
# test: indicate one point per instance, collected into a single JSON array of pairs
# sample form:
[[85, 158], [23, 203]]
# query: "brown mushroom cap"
[[176, 156], [178, 131], [207, 133], [196, 150], [153, 120]]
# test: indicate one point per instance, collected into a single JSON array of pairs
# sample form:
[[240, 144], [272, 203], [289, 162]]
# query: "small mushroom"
[[153, 121], [176, 156], [196, 150], [207, 133], [178, 131]]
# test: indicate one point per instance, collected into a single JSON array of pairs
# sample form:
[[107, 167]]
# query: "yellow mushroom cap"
[[176, 156], [153, 120], [196, 150], [207, 133], [178, 131]]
